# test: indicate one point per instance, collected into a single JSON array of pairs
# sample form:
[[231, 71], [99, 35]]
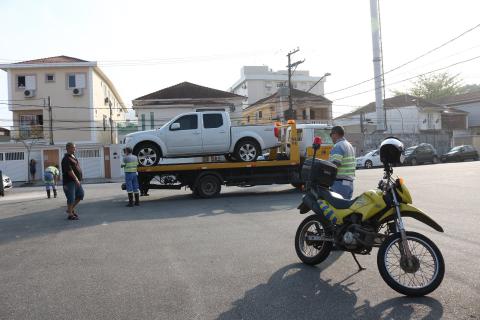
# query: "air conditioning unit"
[[29, 93], [77, 91]]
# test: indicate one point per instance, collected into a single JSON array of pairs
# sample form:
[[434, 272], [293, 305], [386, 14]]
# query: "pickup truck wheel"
[[247, 150], [208, 186], [148, 154]]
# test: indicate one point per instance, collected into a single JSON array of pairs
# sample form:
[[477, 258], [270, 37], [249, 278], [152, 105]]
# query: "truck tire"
[[247, 150], [148, 154], [208, 186]]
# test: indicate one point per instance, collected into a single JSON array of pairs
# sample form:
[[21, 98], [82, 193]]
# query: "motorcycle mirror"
[[317, 141]]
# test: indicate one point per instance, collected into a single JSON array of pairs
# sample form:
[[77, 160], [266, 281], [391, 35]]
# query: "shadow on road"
[[298, 291], [93, 212]]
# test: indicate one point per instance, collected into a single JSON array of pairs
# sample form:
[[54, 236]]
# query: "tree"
[[436, 86], [470, 88]]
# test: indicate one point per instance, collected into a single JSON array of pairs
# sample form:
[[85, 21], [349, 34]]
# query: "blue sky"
[[144, 46]]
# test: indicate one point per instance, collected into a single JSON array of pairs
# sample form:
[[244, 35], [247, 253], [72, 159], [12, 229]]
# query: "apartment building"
[[85, 105], [258, 82]]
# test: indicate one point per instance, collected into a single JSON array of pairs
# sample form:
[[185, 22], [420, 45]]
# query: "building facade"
[[410, 118], [155, 109], [307, 107], [84, 104], [258, 82]]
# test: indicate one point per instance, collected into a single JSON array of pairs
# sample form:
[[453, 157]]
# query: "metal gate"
[[14, 165]]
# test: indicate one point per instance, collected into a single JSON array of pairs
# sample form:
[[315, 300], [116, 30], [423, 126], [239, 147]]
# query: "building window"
[[304, 114], [143, 122], [12, 156], [50, 77], [1, 156], [21, 82], [279, 84], [152, 121], [76, 80], [248, 119], [312, 114], [104, 122], [259, 114], [26, 82]]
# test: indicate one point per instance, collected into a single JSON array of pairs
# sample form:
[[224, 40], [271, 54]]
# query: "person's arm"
[[336, 155], [74, 177]]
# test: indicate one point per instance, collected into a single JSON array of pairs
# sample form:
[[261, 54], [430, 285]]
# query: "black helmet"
[[391, 150]]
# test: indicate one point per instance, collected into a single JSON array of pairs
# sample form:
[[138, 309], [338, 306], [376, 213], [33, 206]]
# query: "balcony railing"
[[30, 132]]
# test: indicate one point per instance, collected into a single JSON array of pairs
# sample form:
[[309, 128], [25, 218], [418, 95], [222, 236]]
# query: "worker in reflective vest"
[[50, 178], [343, 156], [129, 165]]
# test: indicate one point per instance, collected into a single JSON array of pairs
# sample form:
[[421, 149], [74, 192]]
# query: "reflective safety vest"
[[343, 155], [50, 173], [130, 163]]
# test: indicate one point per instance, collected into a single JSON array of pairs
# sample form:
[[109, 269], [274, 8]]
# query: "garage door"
[[14, 165], [91, 162]]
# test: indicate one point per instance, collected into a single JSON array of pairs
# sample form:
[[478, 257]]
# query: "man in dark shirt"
[[72, 175]]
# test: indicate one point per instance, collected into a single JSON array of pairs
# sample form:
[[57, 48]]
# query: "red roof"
[[57, 59]]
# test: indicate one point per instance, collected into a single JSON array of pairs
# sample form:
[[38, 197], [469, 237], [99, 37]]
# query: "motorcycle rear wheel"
[[312, 253], [426, 273]]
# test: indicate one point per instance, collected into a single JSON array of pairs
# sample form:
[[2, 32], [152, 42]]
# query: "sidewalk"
[[39, 183]]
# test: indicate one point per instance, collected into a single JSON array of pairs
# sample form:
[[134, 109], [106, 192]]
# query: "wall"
[[101, 90], [473, 110]]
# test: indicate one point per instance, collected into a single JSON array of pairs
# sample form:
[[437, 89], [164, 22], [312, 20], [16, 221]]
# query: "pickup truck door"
[[215, 133], [184, 136]]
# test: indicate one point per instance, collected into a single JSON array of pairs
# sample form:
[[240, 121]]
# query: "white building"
[[155, 109], [258, 82]]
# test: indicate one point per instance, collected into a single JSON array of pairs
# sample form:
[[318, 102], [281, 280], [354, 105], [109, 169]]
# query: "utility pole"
[[50, 120], [291, 113], [377, 65], [111, 122]]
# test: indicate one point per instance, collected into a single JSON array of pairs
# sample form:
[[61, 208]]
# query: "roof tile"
[[187, 90], [57, 59]]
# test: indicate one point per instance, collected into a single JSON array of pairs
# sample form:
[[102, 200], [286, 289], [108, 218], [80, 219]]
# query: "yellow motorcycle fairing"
[[367, 204], [407, 210]]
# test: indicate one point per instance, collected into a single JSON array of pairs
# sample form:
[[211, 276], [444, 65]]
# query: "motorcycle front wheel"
[[310, 251], [417, 277]]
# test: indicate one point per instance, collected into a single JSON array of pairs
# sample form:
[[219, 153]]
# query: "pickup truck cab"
[[200, 134]]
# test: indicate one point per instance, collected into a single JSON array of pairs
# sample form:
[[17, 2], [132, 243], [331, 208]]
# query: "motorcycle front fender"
[[412, 212]]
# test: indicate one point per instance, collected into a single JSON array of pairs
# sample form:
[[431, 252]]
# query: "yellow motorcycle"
[[408, 262]]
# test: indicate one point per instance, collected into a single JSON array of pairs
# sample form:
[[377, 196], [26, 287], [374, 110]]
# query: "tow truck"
[[205, 179]]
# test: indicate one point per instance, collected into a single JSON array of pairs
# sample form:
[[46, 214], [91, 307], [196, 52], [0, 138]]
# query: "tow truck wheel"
[[208, 186]]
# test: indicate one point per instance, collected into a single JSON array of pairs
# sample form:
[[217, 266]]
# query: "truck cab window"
[[212, 120], [188, 122]]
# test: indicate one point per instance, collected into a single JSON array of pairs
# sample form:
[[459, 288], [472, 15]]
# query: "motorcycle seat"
[[335, 199]]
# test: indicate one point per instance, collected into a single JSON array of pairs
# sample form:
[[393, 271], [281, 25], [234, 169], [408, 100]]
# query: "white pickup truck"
[[202, 133]]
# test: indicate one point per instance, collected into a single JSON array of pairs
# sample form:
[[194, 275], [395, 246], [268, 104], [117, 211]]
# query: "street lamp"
[[323, 77]]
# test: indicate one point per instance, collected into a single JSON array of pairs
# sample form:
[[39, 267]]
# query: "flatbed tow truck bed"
[[206, 178]]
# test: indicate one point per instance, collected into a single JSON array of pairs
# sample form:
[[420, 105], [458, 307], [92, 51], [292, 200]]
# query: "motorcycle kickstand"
[[360, 268]]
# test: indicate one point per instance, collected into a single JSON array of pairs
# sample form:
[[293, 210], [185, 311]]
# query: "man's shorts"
[[73, 192]]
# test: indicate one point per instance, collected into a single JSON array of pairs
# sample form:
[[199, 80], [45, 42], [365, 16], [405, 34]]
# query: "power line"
[[408, 62], [407, 79]]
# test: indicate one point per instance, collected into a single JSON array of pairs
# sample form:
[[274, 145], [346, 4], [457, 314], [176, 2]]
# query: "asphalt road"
[[232, 257]]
